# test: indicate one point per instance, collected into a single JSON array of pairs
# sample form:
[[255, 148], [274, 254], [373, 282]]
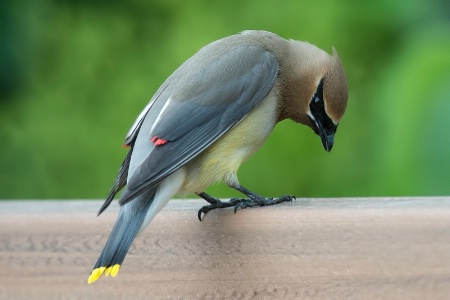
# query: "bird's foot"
[[254, 202], [238, 203]]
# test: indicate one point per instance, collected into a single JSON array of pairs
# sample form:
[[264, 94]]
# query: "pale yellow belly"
[[222, 159]]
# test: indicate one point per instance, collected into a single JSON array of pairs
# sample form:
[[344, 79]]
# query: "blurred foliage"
[[75, 74]]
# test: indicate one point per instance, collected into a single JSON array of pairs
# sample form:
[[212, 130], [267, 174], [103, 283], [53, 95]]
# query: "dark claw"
[[238, 206], [204, 210], [199, 214]]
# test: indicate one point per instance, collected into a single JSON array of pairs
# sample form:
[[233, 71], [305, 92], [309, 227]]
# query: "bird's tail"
[[128, 224]]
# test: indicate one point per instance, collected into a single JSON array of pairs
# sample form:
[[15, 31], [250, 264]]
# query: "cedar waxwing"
[[211, 114]]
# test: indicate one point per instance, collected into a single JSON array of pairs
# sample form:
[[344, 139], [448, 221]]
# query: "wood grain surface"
[[358, 248]]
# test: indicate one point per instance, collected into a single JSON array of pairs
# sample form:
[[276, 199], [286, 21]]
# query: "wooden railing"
[[356, 248]]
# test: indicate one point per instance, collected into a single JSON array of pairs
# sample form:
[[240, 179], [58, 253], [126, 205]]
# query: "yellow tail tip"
[[107, 271], [115, 270], [97, 273]]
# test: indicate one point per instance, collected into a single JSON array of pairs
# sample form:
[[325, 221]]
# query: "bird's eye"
[[318, 96]]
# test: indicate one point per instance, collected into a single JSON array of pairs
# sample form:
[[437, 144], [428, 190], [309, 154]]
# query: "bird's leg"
[[214, 203], [254, 200], [208, 198]]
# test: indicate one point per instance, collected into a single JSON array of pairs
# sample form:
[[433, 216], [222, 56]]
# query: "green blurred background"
[[75, 74]]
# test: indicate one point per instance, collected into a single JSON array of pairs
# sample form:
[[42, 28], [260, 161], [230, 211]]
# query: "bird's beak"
[[326, 134]]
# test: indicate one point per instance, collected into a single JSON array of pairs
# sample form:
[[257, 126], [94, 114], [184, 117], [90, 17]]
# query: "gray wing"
[[202, 100]]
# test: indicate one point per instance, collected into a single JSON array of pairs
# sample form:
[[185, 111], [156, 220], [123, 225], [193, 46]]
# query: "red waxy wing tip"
[[158, 141]]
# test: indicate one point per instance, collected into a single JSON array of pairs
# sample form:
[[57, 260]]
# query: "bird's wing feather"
[[204, 99], [119, 182]]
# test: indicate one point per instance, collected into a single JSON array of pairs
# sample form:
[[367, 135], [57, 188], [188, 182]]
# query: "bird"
[[211, 114]]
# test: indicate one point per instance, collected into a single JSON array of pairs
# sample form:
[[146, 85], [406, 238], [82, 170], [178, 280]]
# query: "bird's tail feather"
[[124, 232]]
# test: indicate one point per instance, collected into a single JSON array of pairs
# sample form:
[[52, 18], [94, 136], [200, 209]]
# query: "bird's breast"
[[221, 160]]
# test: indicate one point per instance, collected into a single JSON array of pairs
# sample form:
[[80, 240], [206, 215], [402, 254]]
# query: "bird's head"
[[318, 91]]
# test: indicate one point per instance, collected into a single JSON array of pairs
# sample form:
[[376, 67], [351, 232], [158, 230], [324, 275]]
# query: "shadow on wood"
[[361, 248]]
